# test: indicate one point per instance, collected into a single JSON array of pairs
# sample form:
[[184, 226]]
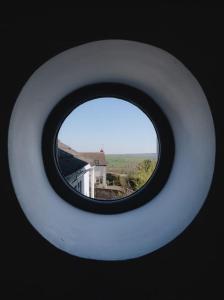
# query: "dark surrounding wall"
[[184, 269]]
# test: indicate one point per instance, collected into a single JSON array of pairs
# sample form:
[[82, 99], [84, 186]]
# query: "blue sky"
[[115, 125]]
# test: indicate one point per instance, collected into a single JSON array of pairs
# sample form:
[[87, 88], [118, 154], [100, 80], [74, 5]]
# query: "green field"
[[126, 163]]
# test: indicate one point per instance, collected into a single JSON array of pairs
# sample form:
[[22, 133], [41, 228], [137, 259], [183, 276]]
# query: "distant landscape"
[[127, 163], [131, 171]]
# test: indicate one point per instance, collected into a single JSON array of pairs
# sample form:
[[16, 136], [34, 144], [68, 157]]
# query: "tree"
[[142, 173]]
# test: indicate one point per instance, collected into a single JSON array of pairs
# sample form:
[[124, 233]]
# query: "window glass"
[[107, 148]]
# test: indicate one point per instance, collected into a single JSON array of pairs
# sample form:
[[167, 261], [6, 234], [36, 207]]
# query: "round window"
[[169, 95], [107, 148]]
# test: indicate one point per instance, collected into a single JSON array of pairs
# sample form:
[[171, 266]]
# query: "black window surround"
[[165, 140]]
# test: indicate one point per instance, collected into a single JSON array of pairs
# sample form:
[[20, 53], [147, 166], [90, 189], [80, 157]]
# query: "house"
[[78, 173], [98, 161], [82, 170]]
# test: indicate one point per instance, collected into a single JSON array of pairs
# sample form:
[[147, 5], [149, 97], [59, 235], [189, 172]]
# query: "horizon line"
[[130, 153]]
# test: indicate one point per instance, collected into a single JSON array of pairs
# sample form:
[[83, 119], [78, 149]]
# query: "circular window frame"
[[141, 231], [165, 142]]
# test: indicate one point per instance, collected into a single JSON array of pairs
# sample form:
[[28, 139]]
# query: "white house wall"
[[85, 184], [100, 171]]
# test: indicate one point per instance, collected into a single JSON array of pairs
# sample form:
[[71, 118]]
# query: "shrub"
[[143, 172]]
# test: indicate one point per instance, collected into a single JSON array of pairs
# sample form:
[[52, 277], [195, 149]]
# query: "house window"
[[80, 186], [128, 138], [96, 162]]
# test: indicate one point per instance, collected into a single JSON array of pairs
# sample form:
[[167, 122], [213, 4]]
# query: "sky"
[[115, 125]]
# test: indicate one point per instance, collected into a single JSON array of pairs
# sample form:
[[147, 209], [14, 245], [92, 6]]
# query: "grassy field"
[[125, 163]]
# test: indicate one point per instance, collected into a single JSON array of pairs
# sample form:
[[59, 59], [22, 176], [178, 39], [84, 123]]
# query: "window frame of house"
[[166, 147]]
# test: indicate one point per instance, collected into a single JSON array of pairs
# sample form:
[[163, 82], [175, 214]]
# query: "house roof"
[[69, 164], [93, 158], [66, 148]]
